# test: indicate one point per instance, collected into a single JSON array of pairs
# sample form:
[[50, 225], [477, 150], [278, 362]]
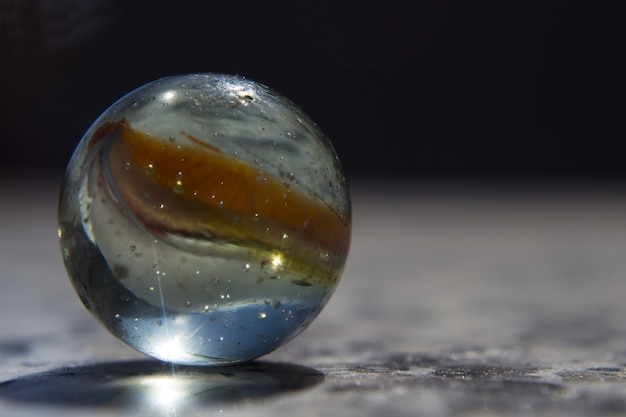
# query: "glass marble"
[[204, 219]]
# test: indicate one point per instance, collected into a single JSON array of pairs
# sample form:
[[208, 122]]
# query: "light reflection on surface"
[[158, 388], [165, 392]]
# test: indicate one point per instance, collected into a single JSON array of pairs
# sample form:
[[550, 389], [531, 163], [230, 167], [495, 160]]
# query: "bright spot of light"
[[165, 392], [171, 350], [277, 260], [169, 95], [242, 93]]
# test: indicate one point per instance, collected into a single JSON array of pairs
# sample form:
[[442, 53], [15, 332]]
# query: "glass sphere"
[[204, 219]]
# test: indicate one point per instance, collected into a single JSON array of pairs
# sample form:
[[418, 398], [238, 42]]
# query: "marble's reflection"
[[156, 387]]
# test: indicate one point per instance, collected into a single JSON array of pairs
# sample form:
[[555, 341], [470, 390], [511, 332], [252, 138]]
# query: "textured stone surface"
[[455, 301]]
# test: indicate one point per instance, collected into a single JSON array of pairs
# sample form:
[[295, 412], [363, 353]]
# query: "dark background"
[[425, 88]]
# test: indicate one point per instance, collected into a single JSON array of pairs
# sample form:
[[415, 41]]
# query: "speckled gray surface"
[[455, 301]]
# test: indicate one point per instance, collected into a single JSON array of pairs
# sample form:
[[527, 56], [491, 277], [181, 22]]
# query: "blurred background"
[[423, 88]]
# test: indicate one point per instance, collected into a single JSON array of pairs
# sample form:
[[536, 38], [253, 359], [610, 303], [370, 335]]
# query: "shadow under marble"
[[157, 387]]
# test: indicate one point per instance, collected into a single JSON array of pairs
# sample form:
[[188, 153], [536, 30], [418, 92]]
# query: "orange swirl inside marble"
[[238, 198]]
